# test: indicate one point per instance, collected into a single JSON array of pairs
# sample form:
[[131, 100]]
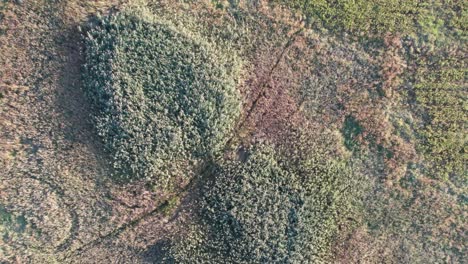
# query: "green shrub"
[[166, 99], [351, 130], [262, 211]]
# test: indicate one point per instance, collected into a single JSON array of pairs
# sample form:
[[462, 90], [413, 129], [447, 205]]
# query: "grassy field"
[[246, 131]]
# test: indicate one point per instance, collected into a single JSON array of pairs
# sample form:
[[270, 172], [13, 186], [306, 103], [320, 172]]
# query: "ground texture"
[[379, 85]]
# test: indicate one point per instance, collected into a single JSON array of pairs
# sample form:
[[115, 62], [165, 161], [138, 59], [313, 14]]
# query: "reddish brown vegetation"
[[361, 101], [392, 64], [273, 111]]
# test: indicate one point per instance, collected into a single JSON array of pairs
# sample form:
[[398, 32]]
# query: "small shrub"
[[169, 205], [166, 99], [351, 130]]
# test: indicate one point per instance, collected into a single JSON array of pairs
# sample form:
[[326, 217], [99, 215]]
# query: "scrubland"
[[144, 131]]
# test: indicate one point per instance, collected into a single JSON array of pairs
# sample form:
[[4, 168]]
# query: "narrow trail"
[[53, 187], [114, 232], [263, 88], [205, 172], [135, 222]]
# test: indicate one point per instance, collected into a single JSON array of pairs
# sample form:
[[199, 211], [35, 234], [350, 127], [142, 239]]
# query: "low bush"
[[263, 211], [165, 98]]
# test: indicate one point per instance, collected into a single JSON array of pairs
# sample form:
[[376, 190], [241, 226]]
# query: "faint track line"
[[194, 181]]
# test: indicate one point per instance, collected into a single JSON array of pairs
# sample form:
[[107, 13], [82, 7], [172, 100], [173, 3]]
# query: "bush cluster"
[[263, 211], [166, 99]]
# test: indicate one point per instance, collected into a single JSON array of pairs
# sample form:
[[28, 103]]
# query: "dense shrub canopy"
[[166, 99], [261, 212]]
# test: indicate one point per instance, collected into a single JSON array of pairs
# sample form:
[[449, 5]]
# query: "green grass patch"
[[357, 16], [11, 225], [440, 92], [363, 17]]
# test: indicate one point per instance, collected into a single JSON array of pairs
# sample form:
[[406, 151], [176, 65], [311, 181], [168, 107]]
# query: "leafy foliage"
[[264, 211], [166, 98]]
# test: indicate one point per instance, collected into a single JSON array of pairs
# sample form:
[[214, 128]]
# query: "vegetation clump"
[[263, 211], [166, 99]]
